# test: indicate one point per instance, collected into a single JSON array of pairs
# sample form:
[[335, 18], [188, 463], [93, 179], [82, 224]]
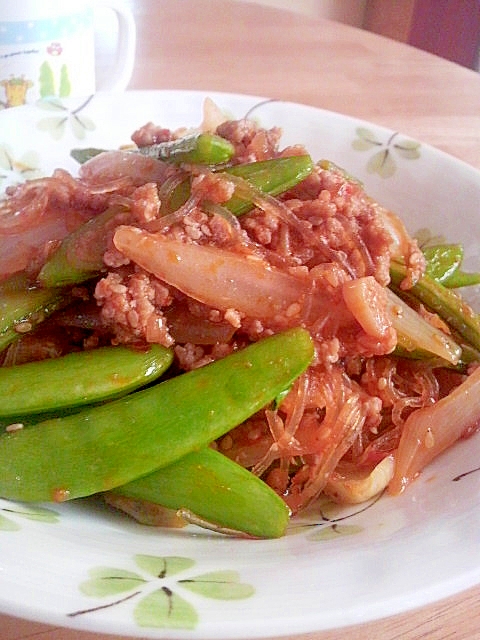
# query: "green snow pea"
[[272, 177], [444, 263], [109, 445], [217, 490], [79, 378], [80, 254], [197, 148], [446, 302], [21, 310]]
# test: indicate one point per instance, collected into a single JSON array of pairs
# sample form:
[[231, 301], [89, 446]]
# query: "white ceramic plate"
[[81, 566]]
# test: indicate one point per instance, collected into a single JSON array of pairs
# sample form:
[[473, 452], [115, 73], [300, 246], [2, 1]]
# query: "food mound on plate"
[[208, 241]]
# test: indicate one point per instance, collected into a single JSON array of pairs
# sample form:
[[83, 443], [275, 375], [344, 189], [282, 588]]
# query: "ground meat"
[[151, 134], [132, 307], [250, 142], [145, 204], [348, 229], [262, 227], [212, 187], [190, 356], [201, 228]]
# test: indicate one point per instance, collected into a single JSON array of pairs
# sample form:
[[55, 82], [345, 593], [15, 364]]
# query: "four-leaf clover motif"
[[62, 116], [159, 588], [382, 161]]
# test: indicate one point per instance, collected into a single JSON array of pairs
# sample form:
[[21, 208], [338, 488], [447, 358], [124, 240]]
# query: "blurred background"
[[448, 28]]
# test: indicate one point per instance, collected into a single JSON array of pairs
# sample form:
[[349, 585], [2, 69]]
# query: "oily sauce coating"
[[324, 249]]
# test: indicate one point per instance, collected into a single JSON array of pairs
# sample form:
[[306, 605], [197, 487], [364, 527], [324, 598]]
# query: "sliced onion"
[[431, 430], [414, 332], [213, 116], [367, 300], [112, 165], [214, 276], [350, 485], [15, 220]]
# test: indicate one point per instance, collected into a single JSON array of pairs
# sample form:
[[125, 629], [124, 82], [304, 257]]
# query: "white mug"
[[47, 49]]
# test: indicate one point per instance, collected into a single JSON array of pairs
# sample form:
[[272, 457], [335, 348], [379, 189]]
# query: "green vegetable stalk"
[[217, 490], [444, 263], [80, 254], [448, 304], [198, 148], [21, 310], [78, 378], [107, 446], [272, 177]]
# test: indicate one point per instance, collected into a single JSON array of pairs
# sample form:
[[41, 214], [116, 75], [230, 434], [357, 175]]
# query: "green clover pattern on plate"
[[10, 513], [383, 160], [159, 587], [62, 116]]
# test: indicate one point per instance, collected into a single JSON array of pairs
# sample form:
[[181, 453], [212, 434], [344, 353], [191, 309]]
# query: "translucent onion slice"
[[112, 165], [216, 277], [368, 302], [29, 214], [414, 332], [431, 430], [349, 485]]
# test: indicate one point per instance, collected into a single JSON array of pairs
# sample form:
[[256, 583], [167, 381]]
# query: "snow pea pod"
[[446, 302], [196, 148], [217, 490], [79, 378], [444, 263], [443, 260], [273, 177], [80, 254], [109, 445], [22, 310]]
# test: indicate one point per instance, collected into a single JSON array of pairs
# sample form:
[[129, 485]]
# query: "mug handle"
[[121, 73]]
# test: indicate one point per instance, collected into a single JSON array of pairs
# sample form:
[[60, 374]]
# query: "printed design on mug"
[[15, 88], [51, 82], [37, 54], [48, 81], [30, 32]]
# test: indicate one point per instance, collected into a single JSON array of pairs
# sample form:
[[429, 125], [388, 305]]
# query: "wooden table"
[[240, 47]]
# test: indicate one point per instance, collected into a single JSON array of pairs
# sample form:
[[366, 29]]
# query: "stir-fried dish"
[[141, 300]]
